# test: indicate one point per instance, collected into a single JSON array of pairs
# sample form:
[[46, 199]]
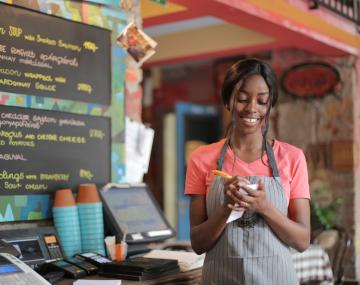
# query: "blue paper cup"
[[92, 227], [66, 221]]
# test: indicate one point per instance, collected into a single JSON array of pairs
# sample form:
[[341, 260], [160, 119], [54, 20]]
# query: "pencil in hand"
[[221, 173]]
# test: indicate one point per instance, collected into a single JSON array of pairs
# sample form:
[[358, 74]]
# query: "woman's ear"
[[227, 107]]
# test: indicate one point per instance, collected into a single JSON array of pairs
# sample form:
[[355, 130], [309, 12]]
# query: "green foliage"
[[324, 217]]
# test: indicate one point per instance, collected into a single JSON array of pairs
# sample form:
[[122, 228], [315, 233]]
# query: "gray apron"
[[248, 251]]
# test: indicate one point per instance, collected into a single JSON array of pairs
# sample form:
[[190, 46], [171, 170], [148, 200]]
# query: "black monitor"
[[132, 209]]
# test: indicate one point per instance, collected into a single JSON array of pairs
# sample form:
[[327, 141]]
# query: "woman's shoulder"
[[285, 149], [207, 153]]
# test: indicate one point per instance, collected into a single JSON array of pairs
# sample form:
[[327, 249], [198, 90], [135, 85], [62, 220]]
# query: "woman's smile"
[[250, 121]]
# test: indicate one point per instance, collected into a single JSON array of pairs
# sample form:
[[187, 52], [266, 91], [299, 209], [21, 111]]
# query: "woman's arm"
[[205, 231], [295, 230]]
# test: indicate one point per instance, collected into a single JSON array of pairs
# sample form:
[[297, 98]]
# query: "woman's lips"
[[249, 121]]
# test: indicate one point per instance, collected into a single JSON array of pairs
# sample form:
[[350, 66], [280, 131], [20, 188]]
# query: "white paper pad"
[[234, 215]]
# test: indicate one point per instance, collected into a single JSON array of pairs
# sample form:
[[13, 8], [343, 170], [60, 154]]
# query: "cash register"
[[132, 210]]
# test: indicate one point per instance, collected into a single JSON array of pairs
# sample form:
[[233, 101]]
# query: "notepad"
[[97, 282], [234, 215], [187, 260]]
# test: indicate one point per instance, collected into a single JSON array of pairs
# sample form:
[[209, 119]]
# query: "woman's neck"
[[247, 148], [251, 143]]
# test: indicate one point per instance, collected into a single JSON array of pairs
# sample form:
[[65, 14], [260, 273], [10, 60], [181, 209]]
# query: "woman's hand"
[[232, 185], [253, 200]]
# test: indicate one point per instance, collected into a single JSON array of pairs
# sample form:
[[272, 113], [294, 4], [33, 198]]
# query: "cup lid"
[[87, 193], [64, 198]]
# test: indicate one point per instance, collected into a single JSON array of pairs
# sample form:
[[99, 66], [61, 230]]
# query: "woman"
[[255, 248]]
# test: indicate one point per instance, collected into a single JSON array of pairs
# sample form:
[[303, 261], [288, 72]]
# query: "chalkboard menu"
[[41, 151], [49, 56]]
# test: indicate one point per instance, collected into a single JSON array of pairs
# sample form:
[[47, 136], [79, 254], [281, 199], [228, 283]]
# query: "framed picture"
[[137, 43]]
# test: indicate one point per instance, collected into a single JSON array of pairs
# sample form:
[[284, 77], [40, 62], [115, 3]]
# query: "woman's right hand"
[[231, 185]]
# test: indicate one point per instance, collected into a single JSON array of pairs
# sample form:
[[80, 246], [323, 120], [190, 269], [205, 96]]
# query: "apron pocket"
[[257, 241]]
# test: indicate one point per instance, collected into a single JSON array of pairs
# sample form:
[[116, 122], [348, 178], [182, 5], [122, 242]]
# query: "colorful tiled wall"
[[34, 207]]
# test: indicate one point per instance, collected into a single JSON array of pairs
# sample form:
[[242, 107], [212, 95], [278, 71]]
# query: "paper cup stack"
[[91, 219], [66, 220]]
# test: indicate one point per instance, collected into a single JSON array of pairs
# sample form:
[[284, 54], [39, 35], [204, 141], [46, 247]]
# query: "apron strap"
[[269, 152], [272, 161], [220, 161]]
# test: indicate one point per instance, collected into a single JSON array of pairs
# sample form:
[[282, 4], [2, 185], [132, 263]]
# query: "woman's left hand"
[[253, 200]]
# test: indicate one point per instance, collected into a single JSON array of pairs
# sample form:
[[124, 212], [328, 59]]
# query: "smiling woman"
[[253, 249]]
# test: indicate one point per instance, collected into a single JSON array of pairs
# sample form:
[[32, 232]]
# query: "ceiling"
[[187, 30]]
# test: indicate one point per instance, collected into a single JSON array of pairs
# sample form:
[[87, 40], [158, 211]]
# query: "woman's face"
[[249, 103]]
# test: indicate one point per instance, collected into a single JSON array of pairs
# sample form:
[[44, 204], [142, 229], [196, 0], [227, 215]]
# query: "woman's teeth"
[[248, 120]]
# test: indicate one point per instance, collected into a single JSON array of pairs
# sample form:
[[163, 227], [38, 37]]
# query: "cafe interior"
[[160, 104]]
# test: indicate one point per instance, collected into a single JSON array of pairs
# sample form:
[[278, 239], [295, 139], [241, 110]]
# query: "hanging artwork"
[[139, 45], [126, 5], [311, 79]]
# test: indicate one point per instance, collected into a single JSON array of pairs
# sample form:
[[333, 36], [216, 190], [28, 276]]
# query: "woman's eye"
[[242, 99], [263, 102]]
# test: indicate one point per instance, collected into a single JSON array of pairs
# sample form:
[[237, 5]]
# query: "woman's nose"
[[252, 104]]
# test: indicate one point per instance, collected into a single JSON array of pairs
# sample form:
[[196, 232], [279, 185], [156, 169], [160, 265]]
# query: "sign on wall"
[[49, 56], [311, 79], [42, 151]]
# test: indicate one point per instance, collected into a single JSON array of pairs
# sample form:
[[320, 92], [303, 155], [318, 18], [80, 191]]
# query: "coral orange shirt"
[[290, 161]]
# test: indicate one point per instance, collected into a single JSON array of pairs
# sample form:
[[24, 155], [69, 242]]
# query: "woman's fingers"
[[236, 180], [236, 208], [250, 189], [261, 185], [241, 206], [241, 181], [247, 199]]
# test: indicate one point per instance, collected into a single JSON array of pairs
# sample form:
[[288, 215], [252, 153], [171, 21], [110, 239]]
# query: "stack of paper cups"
[[91, 219], [66, 220]]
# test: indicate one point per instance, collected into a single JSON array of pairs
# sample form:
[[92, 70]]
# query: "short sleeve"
[[195, 177], [299, 185]]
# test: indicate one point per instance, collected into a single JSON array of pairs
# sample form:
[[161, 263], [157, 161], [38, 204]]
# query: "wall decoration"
[[310, 79], [37, 206], [140, 46], [43, 150], [49, 56]]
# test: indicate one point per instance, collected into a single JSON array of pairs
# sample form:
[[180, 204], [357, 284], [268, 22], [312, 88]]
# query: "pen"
[[221, 173]]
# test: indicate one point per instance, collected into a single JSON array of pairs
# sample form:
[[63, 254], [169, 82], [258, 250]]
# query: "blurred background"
[[313, 46]]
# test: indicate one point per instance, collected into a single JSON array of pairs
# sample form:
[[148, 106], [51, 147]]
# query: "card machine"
[[53, 246], [70, 270], [94, 258], [34, 246], [83, 264]]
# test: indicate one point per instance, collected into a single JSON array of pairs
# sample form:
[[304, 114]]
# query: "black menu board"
[[41, 151], [49, 56]]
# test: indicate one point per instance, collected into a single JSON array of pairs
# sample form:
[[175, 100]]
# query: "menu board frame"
[[50, 56], [43, 153]]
